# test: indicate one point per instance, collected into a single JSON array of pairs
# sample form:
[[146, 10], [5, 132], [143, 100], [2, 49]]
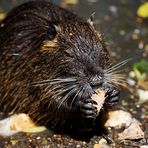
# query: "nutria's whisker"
[[80, 93], [115, 81], [72, 89], [112, 75], [49, 90], [114, 67], [113, 72], [119, 77], [53, 81], [115, 75], [86, 91], [76, 95], [54, 90]]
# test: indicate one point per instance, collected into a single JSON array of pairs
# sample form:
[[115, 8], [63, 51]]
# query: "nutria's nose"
[[96, 81]]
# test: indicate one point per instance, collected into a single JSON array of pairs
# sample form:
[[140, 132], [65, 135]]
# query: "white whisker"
[[75, 96], [53, 81], [118, 65], [72, 89]]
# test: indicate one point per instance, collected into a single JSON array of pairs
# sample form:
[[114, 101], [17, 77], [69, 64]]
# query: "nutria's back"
[[50, 62], [33, 18]]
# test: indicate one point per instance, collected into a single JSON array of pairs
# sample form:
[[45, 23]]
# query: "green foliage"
[[141, 70]]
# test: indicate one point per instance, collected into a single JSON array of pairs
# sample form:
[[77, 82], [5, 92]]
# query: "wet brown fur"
[[41, 41]]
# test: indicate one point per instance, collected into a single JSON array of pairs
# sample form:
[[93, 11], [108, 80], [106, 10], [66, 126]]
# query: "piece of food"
[[99, 97]]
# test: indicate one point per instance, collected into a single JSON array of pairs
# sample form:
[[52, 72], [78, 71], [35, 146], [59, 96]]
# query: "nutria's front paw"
[[87, 108], [112, 97]]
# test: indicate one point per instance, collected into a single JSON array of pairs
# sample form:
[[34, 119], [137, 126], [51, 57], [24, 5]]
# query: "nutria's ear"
[[91, 20], [57, 28]]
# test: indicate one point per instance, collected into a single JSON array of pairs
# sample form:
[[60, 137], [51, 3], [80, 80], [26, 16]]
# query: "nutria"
[[51, 61]]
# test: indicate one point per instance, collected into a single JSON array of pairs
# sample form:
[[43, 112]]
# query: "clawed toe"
[[112, 96], [87, 109], [109, 141]]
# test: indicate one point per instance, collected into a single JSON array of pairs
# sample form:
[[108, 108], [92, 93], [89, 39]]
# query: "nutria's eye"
[[51, 36], [51, 33]]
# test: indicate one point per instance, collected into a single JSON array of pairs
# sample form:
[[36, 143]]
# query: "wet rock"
[[102, 144], [119, 119], [131, 82], [143, 95], [133, 132], [18, 123], [37, 129], [144, 146], [132, 74], [113, 9]]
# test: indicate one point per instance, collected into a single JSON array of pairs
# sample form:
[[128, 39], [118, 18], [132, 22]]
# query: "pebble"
[[113, 9], [136, 31], [141, 44], [122, 32], [132, 74], [133, 132], [119, 119], [131, 82], [144, 146], [78, 146], [38, 138], [143, 94], [102, 144]]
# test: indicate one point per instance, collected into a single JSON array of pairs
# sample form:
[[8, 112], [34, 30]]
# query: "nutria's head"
[[83, 59], [83, 50]]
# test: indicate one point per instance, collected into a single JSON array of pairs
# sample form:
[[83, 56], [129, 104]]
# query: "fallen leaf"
[[99, 97]]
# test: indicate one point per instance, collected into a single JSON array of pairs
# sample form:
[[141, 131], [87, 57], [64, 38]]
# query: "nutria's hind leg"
[[99, 128]]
